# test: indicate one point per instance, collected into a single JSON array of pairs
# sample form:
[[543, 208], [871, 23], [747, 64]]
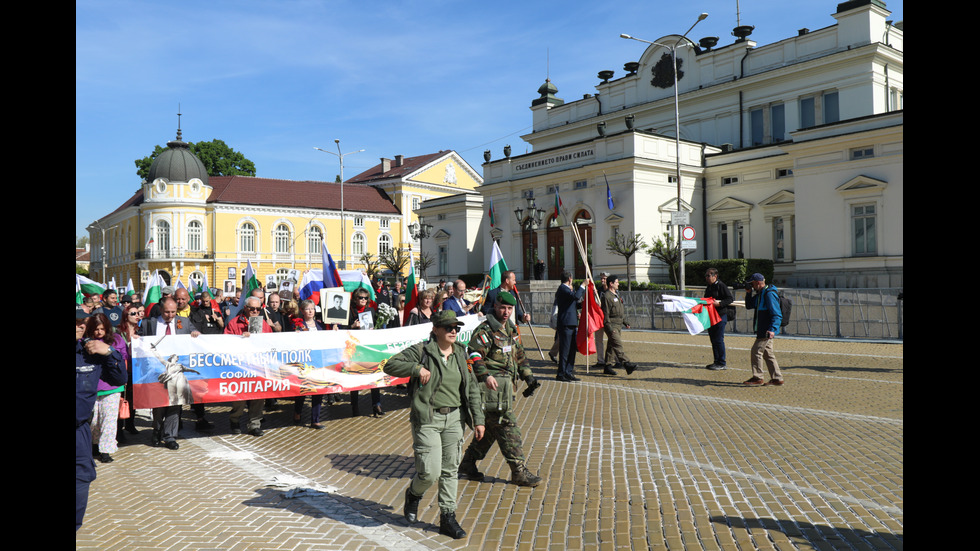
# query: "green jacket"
[[410, 361], [496, 349]]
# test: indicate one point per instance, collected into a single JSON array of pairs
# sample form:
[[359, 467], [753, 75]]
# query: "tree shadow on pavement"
[[821, 536]]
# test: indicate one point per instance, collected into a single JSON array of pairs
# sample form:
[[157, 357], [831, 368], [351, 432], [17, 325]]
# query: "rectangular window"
[[581, 184], [553, 189], [739, 239], [779, 234], [728, 180], [808, 112], [443, 259], [723, 240], [859, 153], [757, 124], [385, 223], [864, 218], [778, 123], [415, 203], [784, 172], [831, 107], [358, 221]]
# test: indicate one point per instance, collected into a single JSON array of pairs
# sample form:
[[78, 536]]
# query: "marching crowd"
[[450, 386]]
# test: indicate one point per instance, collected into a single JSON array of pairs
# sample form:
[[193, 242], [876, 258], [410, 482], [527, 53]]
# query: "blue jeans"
[[717, 335]]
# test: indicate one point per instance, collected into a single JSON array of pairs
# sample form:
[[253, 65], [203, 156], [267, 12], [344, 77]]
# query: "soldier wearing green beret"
[[498, 360]]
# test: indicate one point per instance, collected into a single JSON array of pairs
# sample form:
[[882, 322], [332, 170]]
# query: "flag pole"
[[529, 326]]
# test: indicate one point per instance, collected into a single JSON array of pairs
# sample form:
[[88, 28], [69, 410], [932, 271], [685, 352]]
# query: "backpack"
[[786, 306]]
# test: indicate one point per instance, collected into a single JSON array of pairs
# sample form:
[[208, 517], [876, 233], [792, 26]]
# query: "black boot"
[[411, 505], [608, 369], [630, 367], [521, 476], [449, 527], [467, 467]]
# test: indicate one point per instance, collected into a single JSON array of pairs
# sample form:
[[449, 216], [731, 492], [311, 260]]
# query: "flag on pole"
[[130, 290], [411, 290], [699, 314], [350, 280], [609, 201], [112, 283], [326, 277], [592, 320], [251, 281], [497, 266], [85, 287], [558, 203], [153, 292], [493, 217], [201, 287]]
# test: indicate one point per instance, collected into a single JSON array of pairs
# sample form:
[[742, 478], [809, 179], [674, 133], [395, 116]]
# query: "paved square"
[[672, 457]]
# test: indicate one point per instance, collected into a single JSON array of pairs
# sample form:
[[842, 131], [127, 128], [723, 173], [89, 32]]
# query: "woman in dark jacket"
[[307, 322]]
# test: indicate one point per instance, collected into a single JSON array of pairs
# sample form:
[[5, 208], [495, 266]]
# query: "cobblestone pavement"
[[672, 457]]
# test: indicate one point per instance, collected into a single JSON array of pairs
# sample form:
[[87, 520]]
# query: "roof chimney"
[[385, 165], [399, 160]]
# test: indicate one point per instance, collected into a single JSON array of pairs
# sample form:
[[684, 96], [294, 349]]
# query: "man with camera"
[[764, 299]]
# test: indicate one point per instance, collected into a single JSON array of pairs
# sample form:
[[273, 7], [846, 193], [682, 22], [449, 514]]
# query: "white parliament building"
[[791, 151]]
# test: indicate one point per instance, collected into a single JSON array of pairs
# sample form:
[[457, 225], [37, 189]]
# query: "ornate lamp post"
[[419, 231]]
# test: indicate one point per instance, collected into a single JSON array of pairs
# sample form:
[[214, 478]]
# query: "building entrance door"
[[556, 252]]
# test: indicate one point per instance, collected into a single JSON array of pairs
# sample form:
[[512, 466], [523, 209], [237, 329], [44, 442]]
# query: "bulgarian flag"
[[85, 287], [493, 218], [154, 291], [497, 266], [699, 313], [130, 290], [411, 290], [197, 288], [251, 281], [558, 203]]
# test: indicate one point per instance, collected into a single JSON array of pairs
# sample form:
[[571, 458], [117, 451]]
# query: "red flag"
[[591, 320]]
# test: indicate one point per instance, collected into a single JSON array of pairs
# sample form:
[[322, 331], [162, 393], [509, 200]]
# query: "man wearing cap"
[[498, 360], [766, 319], [445, 397]]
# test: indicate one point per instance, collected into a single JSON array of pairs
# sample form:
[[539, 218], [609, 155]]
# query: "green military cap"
[[445, 318], [504, 297]]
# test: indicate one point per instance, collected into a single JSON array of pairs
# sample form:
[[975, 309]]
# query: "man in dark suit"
[[166, 418], [568, 302], [455, 300]]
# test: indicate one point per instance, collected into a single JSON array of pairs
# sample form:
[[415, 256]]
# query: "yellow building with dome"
[[192, 227]]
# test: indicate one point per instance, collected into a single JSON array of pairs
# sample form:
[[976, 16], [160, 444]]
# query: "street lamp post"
[[343, 223], [420, 230], [677, 129]]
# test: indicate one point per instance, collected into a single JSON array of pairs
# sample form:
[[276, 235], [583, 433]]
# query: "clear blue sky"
[[273, 79]]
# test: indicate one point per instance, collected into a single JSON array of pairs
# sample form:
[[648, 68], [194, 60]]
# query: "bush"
[[730, 270]]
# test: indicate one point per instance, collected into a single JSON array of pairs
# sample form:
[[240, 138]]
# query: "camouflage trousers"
[[500, 428]]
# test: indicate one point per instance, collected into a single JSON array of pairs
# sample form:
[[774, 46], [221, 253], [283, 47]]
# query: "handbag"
[[553, 322], [124, 411]]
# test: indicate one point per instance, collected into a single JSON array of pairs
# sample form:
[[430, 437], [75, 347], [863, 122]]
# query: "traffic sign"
[[687, 233]]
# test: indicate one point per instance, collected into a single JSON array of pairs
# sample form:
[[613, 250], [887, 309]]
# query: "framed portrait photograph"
[[335, 305]]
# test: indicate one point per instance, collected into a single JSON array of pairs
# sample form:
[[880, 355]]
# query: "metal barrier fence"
[[835, 313]]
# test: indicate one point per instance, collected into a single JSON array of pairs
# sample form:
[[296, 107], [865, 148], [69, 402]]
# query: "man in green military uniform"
[[498, 361]]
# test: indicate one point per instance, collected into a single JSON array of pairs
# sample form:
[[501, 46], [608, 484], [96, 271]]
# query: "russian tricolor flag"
[[330, 278]]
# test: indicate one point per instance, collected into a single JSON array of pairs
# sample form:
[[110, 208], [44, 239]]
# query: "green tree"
[[371, 264], [219, 160], [625, 245], [395, 259]]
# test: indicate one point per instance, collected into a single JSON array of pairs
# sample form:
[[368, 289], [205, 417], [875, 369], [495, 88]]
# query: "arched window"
[[246, 238], [163, 236], [195, 235], [357, 245], [314, 240], [196, 279], [280, 238], [384, 244]]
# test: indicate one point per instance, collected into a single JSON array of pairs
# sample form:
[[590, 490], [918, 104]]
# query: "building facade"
[[192, 227], [791, 151]]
